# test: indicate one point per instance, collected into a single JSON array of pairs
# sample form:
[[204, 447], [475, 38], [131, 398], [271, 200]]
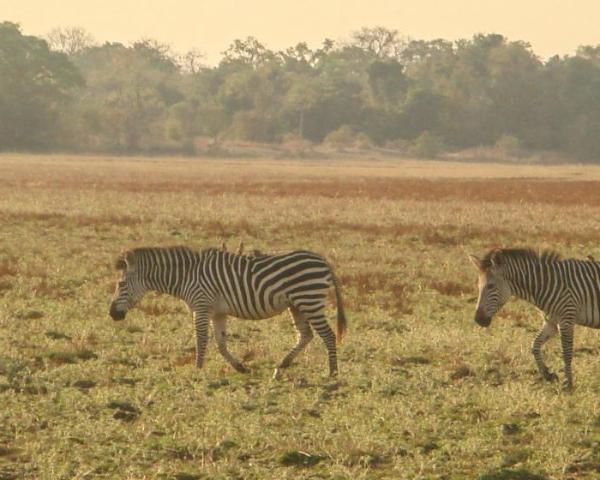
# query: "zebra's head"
[[494, 289], [130, 288]]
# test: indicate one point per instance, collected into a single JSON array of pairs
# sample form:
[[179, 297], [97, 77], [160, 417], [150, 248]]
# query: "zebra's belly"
[[589, 315], [259, 315], [275, 306]]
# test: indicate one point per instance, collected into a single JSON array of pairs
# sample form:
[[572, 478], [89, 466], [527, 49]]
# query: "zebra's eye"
[[491, 285]]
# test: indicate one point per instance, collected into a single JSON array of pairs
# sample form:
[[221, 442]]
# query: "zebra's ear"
[[124, 261], [497, 258], [476, 262], [120, 264]]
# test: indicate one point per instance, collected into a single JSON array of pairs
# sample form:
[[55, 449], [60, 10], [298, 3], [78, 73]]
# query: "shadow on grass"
[[510, 474], [296, 458]]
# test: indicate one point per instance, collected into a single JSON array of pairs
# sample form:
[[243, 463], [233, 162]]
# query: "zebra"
[[216, 283], [567, 292]]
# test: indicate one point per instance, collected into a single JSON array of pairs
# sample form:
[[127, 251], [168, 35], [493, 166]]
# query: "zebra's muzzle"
[[482, 319], [116, 314]]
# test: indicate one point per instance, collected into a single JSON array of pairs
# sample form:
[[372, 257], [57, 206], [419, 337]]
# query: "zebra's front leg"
[[219, 325], [305, 335], [201, 327], [320, 325], [546, 333], [566, 341]]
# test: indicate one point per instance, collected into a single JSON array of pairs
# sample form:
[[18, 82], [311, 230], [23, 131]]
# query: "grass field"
[[423, 392]]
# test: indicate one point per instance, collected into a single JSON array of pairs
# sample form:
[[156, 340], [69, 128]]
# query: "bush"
[[343, 137], [509, 145], [347, 137], [427, 145], [583, 138], [292, 141], [400, 144], [253, 126], [362, 140]]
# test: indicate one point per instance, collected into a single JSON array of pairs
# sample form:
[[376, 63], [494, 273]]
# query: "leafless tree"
[[70, 40], [191, 61], [382, 41]]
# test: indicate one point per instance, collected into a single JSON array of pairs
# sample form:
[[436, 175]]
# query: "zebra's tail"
[[341, 316]]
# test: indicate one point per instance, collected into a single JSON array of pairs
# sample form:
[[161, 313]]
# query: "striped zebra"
[[215, 283], [567, 292]]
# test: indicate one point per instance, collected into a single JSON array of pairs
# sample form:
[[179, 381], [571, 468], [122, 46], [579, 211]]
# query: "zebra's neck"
[[170, 272], [155, 282], [531, 280]]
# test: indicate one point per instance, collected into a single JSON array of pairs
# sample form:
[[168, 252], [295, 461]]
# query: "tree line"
[[65, 92]]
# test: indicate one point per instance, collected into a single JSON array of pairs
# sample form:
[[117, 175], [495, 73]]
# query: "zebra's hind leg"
[[566, 341], [201, 327], [547, 332], [305, 335], [319, 323], [219, 325]]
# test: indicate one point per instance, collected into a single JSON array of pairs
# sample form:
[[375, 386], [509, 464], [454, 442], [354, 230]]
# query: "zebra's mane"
[[252, 254], [500, 254], [130, 256]]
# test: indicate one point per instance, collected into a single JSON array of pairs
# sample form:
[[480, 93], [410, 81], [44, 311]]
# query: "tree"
[[299, 59], [380, 41], [35, 83], [387, 82], [422, 50], [249, 52], [490, 87], [215, 121], [70, 40], [158, 54], [302, 95], [191, 61], [131, 89], [380, 86], [573, 83]]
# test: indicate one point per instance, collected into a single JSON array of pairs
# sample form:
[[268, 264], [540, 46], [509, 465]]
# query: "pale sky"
[[551, 26]]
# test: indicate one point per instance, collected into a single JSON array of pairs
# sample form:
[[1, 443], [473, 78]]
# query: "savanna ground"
[[423, 392]]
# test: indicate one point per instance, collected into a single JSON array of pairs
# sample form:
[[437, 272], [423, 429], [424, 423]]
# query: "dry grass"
[[424, 392]]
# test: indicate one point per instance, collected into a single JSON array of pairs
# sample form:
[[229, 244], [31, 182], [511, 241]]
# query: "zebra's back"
[[583, 282], [255, 287]]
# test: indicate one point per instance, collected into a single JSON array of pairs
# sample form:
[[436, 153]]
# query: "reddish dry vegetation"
[[442, 235], [224, 230], [397, 299], [8, 267], [360, 286], [491, 190], [365, 283], [73, 220], [451, 288], [49, 289], [203, 180]]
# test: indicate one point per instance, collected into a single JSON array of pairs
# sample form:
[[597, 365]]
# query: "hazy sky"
[[551, 26]]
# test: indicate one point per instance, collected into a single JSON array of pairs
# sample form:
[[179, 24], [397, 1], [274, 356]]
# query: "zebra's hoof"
[[241, 368], [567, 386], [550, 377]]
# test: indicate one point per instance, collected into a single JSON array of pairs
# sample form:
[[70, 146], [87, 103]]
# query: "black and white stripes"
[[216, 283], [566, 291]]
